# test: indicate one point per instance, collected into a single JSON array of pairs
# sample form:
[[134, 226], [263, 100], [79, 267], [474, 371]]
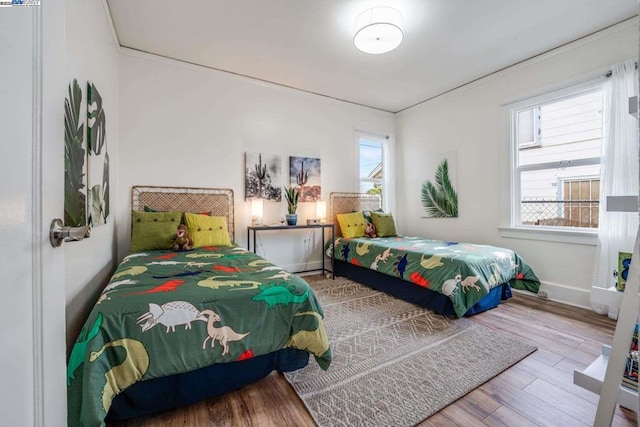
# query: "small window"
[[556, 166], [371, 165]]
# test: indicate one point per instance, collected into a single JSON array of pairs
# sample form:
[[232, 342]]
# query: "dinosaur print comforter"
[[166, 312], [464, 272]]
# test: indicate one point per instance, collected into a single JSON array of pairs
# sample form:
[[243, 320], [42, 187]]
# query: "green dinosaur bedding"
[[166, 312], [464, 272]]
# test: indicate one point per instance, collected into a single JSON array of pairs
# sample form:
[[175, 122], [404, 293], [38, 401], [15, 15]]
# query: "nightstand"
[[253, 230]]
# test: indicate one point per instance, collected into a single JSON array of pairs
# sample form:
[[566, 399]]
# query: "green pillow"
[[153, 230], [385, 226], [206, 230]]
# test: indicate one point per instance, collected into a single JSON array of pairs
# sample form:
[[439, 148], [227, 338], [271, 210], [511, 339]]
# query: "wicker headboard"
[[218, 201], [349, 202]]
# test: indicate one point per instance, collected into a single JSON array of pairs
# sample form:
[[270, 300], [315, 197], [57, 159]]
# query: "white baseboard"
[[563, 293], [315, 266]]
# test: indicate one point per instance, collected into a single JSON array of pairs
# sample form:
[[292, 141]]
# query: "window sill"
[[562, 236]]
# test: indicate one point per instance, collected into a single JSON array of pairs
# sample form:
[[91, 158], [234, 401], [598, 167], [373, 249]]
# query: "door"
[[32, 335]]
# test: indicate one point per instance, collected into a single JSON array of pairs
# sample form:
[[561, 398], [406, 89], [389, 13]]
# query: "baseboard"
[[309, 268], [563, 293]]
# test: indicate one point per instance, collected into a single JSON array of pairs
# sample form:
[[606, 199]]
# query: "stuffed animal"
[[183, 241], [370, 230]]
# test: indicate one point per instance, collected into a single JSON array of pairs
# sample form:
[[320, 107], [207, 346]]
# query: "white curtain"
[[619, 173]]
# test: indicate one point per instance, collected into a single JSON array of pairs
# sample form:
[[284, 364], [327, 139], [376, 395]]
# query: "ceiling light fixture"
[[378, 30]]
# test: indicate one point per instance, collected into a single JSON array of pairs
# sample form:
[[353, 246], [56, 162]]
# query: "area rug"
[[394, 363]]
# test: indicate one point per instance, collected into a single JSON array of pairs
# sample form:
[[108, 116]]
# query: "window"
[[555, 170], [371, 164]]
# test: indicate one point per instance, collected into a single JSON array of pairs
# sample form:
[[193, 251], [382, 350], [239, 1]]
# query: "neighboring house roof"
[[376, 173]]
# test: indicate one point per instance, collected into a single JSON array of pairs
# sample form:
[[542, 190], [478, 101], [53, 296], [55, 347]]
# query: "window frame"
[[387, 181], [511, 221]]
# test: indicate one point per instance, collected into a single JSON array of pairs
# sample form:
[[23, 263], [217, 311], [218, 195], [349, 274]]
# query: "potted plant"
[[292, 194]]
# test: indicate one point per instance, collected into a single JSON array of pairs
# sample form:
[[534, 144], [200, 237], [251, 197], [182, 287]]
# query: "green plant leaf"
[[96, 122], [105, 186], [440, 200], [75, 213]]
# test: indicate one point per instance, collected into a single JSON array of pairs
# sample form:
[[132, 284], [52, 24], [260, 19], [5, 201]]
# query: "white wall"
[[471, 121], [92, 55], [183, 125]]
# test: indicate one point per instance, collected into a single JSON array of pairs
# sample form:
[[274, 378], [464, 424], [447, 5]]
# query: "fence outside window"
[[562, 213]]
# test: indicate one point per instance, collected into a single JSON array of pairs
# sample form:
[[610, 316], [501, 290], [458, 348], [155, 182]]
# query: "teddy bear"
[[370, 230], [183, 241]]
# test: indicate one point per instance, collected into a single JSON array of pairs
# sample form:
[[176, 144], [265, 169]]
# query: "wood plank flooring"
[[537, 391]]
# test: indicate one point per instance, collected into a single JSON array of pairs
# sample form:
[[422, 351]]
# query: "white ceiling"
[[307, 44]]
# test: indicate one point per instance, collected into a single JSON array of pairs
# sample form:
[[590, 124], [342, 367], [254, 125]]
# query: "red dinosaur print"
[[169, 286], [245, 355], [355, 261], [416, 278], [520, 276], [210, 248], [167, 256], [225, 269]]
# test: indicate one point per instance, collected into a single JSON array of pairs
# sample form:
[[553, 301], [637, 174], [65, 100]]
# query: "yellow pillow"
[[352, 224], [207, 230]]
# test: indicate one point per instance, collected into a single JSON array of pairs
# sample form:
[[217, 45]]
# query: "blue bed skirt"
[[161, 394], [407, 291]]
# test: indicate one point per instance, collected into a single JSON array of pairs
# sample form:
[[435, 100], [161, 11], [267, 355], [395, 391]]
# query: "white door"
[[32, 290]]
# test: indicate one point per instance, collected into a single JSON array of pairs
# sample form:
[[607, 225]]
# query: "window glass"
[[371, 165], [557, 165]]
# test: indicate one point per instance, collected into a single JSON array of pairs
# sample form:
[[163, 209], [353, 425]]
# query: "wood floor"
[[538, 390]]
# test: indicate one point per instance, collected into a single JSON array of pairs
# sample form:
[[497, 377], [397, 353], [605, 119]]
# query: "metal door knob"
[[58, 233]]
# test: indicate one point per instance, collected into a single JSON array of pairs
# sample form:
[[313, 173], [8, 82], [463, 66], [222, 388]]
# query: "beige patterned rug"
[[394, 363]]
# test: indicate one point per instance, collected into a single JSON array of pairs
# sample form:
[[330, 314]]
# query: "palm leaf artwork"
[[75, 213], [96, 121], [440, 199], [96, 145], [105, 187]]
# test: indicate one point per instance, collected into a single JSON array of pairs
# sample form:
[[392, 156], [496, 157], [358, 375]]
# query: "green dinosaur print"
[[80, 348], [279, 294]]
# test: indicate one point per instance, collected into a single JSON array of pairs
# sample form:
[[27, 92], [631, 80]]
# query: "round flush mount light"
[[378, 30]]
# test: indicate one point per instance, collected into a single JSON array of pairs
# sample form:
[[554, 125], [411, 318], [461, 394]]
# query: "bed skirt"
[[161, 394], [424, 297]]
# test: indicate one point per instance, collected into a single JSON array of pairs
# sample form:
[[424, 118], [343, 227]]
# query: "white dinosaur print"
[[496, 277], [223, 334], [281, 275], [384, 257], [114, 285], [129, 257], [470, 282], [164, 263], [272, 267], [197, 264], [450, 285], [199, 255], [500, 255], [170, 315]]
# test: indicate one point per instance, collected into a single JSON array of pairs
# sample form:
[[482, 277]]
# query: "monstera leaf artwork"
[[75, 213], [98, 158], [440, 199]]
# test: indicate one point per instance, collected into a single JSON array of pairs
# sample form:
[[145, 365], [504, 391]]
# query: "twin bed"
[[451, 278], [172, 328]]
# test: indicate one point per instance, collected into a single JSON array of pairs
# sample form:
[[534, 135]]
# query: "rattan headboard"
[[218, 201], [349, 202]]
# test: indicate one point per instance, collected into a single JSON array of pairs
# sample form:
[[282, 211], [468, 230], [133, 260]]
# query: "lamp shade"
[[257, 208], [378, 30], [321, 209]]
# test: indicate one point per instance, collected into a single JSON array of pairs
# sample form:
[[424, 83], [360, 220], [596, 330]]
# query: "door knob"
[[58, 233]]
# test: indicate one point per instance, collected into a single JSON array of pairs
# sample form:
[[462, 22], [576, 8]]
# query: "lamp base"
[[313, 221]]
